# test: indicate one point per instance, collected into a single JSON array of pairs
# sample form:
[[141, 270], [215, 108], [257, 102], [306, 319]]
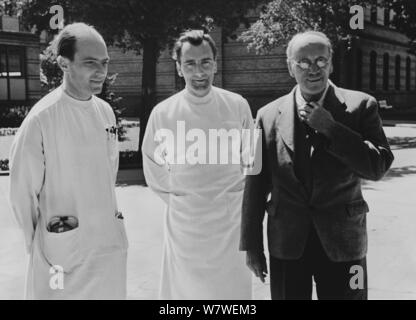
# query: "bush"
[[129, 159], [8, 131], [13, 117]]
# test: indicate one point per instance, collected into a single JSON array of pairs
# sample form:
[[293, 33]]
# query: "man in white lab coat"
[[201, 181], [64, 163]]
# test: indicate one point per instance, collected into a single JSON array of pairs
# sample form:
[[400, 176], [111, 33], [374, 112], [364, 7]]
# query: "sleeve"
[[155, 167], [27, 172], [115, 158], [257, 188], [366, 152], [248, 138]]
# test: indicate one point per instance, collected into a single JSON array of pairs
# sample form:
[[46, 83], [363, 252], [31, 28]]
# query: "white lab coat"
[[201, 259], [63, 162]]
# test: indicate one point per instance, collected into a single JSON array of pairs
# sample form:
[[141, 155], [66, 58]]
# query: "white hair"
[[307, 33]]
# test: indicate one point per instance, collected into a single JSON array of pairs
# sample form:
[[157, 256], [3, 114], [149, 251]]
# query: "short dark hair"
[[195, 38], [65, 42]]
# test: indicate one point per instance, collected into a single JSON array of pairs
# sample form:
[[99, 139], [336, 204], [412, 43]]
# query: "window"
[[12, 75], [359, 66], [387, 16], [408, 64], [397, 73], [373, 16], [386, 71], [373, 70]]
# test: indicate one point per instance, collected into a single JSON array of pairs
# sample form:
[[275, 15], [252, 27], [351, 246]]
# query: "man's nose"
[[198, 68], [102, 70], [314, 68]]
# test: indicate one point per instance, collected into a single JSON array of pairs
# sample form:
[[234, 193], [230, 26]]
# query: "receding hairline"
[[79, 31], [310, 37]]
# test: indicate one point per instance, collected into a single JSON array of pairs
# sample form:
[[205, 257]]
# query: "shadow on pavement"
[[393, 173], [402, 142], [131, 177], [400, 172]]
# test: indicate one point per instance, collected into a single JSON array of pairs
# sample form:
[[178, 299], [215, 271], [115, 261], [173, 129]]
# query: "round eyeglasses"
[[306, 64]]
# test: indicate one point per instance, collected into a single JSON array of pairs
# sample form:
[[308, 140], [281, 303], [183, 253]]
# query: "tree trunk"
[[148, 96]]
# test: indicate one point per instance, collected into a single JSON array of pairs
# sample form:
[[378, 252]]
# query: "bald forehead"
[[305, 42]]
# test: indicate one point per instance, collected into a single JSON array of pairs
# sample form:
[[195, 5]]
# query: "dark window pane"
[[3, 66], [373, 70], [386, 17], [373, 17], [397, 73], [15, 63], [359, 74], [386, 72], [408, 64]]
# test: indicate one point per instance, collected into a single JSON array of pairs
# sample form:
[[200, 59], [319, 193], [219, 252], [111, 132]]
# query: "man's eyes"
[[90, 63], [305, 63], [192, 63]]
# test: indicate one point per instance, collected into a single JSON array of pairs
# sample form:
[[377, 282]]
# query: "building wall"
[[262, 78], [32, 50]]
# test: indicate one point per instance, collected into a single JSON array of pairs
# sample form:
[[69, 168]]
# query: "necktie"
[[303, 137]]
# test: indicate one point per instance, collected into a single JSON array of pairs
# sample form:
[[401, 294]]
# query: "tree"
[[281, 19], [10, 7], [145, 26], [405, 18]]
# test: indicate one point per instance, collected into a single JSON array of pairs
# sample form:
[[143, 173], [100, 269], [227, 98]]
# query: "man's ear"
[[289, 68], [178, 68], [63, 63]]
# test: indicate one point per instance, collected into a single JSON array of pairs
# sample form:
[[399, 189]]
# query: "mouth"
[[97, 81], [200, 80], [315, 80]]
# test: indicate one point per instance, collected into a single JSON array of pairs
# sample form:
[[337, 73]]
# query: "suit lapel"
[[334, 103], [285, 122]]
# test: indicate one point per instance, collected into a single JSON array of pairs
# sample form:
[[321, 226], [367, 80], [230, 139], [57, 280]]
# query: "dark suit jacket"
[[355, 149]]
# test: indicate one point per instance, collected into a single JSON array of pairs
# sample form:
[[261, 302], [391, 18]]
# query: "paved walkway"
[[391, 226]]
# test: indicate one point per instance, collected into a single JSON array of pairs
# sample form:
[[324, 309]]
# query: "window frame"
[[22, 61]]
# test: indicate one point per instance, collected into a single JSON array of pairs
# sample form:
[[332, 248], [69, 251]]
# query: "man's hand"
[[256, 261], [316, 117]]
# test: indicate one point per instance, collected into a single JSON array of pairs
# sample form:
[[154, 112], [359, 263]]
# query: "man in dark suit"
[[318, 142]]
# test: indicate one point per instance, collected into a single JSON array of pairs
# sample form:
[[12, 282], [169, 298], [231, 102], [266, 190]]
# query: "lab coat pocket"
[[62, 249]]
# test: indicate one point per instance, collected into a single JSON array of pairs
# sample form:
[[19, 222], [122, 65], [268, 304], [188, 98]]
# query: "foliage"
[[281, 19], [405, 18], [11, 7], [13, 117]]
